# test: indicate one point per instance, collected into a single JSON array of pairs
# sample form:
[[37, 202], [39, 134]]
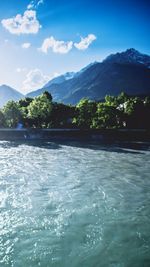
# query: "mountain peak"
[[127, 71], [130, 56], [132, 51], [7, 93], [4, 85]]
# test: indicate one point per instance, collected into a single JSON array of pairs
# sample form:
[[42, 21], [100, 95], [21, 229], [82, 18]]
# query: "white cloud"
[[34, 4], [26, 24], [31, 5], [85, 42], [64, 47], [26, 45], [40, 2], [60, 47], [19, 70], [35, 79]]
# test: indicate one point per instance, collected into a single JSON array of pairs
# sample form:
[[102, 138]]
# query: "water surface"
[[74, 205]]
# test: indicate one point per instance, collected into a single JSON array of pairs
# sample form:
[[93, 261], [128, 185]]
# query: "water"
[[74, 205]]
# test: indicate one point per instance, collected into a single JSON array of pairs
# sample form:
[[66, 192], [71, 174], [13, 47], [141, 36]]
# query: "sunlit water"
[[73, 205]]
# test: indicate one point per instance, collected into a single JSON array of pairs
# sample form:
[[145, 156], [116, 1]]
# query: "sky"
[[41, 39]]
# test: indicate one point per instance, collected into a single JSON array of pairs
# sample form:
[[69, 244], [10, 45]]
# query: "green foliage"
[[110, 100], [2, 119], [122, 98], [137, 113], [85, 112], [23, 106], [48, 95], [62, 115], [115, 112], [12, 114], [107, 116], [115, 101], [25, 102], [147, 101], [39, 110]]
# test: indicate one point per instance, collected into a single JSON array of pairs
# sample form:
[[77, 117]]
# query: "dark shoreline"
[[108, 135]]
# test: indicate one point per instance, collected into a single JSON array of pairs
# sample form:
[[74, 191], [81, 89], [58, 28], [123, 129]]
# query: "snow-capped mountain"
[[85, 68], [128, 71], [55, 81], [129, 56], [60, 79]]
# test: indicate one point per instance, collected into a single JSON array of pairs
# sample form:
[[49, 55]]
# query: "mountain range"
[[7, 93], [128, 71]]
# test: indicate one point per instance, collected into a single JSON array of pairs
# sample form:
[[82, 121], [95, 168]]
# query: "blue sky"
[[40, 39]]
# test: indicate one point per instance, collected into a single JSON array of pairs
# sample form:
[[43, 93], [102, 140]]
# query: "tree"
[[25, 102], [48, 95], [62, 115], [110, 100], [122, 98], [2, 119], [85, 112], [106, 116], [12, 114], [39, 110], [23, 106], [137, 113]]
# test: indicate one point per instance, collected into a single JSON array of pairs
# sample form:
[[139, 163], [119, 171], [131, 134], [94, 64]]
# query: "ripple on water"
[[74, 205]]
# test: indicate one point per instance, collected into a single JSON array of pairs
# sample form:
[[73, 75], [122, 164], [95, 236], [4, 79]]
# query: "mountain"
[[60, 79], [57, 80], [128, 71], [129, 56], [7, 93]]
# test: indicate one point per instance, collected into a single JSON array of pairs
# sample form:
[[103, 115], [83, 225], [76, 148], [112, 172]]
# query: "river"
[[74, 205]]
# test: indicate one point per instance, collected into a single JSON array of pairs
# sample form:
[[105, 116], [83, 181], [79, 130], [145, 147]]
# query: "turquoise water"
[[74, 205]]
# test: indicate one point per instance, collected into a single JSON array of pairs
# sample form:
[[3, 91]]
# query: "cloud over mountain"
[[35, 79], [128, 72]]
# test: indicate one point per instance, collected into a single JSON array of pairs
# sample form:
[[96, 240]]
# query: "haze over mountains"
[[128, 71], [7, 93]]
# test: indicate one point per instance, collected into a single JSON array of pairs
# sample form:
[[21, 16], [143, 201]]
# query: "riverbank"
[[75, 134]]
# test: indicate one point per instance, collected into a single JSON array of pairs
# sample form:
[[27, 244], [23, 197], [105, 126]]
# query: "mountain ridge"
[[8, 93], [127, 71]]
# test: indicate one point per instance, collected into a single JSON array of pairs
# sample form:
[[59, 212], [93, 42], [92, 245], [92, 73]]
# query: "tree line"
[[113, 112]]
